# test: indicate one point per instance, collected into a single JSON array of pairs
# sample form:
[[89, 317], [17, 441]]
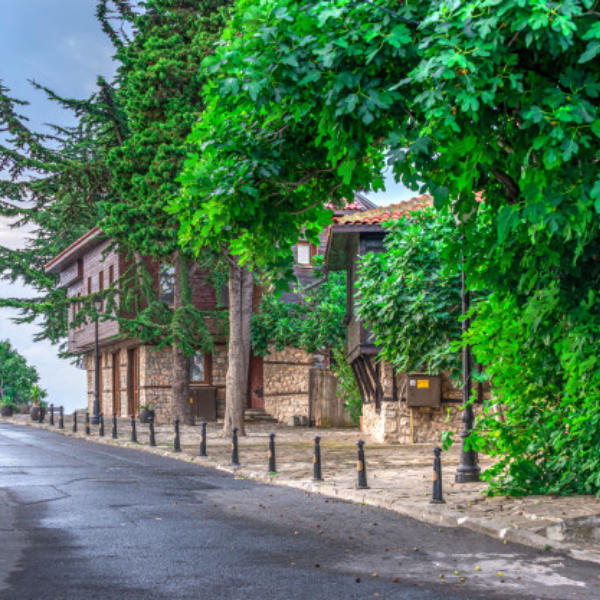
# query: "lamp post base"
[[470, 476], [468, 471], [95, 420]]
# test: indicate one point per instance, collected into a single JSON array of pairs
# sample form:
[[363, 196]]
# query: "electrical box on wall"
[[424, 390]]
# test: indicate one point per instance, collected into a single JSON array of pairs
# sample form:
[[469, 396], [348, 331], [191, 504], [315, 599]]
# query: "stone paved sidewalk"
[[399, 477]]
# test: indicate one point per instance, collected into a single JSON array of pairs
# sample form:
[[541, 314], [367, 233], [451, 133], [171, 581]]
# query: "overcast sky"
[[59, 44]]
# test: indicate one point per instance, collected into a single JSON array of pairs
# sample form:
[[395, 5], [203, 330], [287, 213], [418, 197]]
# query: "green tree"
[[411, 297], [492, 96], [17, 378], [158, 91], [116, 168], [315, 324]]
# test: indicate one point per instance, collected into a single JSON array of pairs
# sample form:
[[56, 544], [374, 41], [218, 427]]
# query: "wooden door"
[[257, 399], [116, 382], [133, 381]]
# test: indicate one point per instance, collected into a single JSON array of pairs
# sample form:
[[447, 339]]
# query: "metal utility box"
[[204, 402], [424, 390]]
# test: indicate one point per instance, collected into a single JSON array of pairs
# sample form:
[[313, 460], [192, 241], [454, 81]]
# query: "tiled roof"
[[380, 214]]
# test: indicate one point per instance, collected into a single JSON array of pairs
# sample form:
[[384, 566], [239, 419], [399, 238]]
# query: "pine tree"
[[160, 94], [52, 189]]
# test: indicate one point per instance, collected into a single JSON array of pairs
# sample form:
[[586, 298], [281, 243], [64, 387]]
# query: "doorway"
[[133, 381], [116, 382], [257, 399]]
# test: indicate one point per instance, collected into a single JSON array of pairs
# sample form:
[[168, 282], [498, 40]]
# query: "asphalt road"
[[80, 520]]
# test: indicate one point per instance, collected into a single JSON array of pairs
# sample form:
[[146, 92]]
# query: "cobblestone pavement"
[[399, 477]]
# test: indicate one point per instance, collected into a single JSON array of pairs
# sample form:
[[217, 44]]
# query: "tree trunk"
[[240, 319], [181, 407]]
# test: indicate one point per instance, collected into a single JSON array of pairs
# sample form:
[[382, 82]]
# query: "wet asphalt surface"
[[80, 520]]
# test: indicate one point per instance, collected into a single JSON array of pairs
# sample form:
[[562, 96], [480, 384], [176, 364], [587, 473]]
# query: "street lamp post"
[[468, 470], [96, 407]]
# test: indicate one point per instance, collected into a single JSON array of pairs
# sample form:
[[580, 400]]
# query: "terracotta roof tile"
[[393, 212]]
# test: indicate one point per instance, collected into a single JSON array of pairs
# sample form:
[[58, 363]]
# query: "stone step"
[[256, 415]]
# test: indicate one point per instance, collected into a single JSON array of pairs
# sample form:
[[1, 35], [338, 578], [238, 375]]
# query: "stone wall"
[[155, 381], [108, 402], [286, 380], [393, 423]]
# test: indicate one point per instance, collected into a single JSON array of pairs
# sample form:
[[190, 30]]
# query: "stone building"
[[397, 407], [134, 375]]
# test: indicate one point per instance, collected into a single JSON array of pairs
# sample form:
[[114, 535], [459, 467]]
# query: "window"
[[198, 369], [101, 287], [89, 285], [305, 253], [111, 275], [167, 284]]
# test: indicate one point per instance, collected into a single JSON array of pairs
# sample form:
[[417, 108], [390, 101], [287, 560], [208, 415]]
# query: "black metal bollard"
[[152, 439], [203, 440], [61, 418], [317, 474], [361, 467], [52, 415], [41, 414], [114, 426], [101, 425], [272, 464], [177, 439], [75, 421], [235, 458], [437, 478], [133, 432], [87, 423]]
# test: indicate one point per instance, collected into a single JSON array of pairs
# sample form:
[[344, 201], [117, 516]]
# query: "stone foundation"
[[396, 423], [392, 423], [154, 384]]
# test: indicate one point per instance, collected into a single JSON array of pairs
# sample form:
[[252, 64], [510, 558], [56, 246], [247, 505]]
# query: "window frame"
[[312, 251], [206, 380]]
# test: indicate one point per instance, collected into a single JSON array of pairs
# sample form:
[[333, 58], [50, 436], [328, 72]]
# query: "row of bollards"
[[61, 417], [361, 467]]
